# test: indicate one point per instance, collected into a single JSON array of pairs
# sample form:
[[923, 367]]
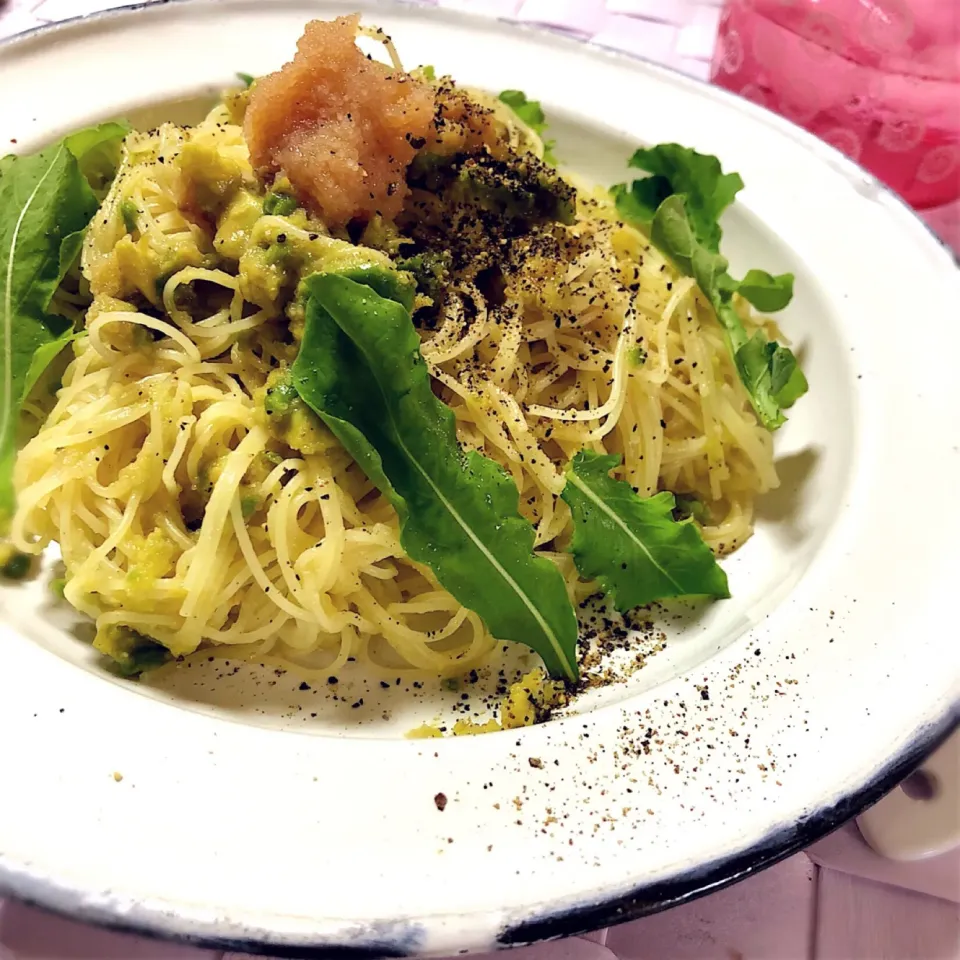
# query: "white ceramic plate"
[[768, 720]]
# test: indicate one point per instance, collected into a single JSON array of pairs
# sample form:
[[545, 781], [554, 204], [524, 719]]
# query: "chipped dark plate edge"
[[622, 908], [374, 942], [776, 846]]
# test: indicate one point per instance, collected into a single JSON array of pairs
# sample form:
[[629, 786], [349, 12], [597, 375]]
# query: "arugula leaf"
[[769, 371], [699, 177], [531, 113], [46, 202], [246, 79], [638, 203], [766, 292], [43, 356], [632, 544], [97, 150], [680, 205], [771, 375], [360, 368]]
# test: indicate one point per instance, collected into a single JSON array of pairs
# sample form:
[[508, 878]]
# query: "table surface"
[[817, 905], [797, 910]]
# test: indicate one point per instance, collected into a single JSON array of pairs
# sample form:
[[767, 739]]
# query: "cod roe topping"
[[342, 127]]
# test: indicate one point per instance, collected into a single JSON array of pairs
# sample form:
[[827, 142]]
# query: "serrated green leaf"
[[360, 369], [632, 544], [638, 202], [699, 177], [765, 367], [44, 355], [793, 388], [531, 113], [679, 206], [772, 375], [46, 202], [766, 292], [97, 150]]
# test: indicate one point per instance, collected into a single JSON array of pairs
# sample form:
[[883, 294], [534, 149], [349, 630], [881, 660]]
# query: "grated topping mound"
[[342, 127]]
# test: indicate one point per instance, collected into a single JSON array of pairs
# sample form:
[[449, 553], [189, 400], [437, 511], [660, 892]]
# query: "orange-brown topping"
[[342, 127]]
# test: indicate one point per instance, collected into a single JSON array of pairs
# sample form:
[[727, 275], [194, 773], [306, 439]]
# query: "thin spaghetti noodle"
[[182, 515]]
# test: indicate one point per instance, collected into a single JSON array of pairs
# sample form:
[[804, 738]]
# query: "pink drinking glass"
[[878, 79]]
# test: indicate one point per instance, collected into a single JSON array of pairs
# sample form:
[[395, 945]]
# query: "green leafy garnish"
[[766, 292], [632, 544], [768, 370], [699, 177], [531, 113], [360, 368], [680, 205], [246, 79], [97, 150], [429, 73], [46, 202]]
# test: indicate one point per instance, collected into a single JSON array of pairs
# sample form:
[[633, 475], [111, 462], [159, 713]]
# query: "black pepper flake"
[[441, 801], [305, 685]]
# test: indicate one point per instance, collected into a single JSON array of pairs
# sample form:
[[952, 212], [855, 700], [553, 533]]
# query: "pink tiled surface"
[[684, 39], [678, 33], [796, 910], [840, 902]]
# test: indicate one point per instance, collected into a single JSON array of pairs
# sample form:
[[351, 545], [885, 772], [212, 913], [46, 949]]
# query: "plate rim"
[[645, 899], [637, 903]]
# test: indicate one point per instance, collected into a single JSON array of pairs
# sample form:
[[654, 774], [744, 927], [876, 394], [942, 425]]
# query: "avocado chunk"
[[521, 187], [131, 651]]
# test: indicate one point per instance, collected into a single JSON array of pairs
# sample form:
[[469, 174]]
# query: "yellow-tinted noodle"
[[181, 515]]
